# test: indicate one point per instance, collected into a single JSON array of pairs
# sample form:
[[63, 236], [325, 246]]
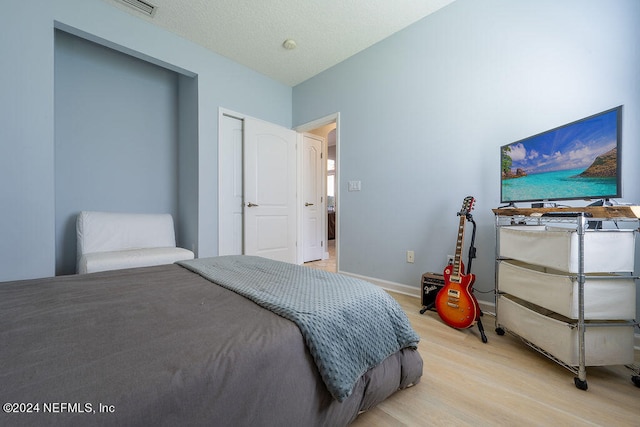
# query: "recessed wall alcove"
[[124, 139]]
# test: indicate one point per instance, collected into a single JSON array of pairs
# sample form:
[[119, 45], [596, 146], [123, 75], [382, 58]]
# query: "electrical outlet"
[[450, 259], [411, 257]]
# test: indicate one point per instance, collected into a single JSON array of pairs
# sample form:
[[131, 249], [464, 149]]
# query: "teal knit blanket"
[[349, 325]]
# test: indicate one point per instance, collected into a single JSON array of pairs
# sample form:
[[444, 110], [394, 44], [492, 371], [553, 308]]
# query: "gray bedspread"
[[349, 325], [163, 346]]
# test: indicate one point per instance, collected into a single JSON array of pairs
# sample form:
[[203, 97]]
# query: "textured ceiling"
[[251, 32]]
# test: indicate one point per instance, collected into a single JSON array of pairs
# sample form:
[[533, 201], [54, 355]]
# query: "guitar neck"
[[457, 261]]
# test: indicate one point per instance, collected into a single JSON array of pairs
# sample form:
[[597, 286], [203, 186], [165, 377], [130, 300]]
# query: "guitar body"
[[455, 303]]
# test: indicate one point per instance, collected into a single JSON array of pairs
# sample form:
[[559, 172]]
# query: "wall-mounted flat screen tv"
[[579, 160]]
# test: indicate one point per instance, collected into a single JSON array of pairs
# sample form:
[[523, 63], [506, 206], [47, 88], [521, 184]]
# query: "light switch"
[[354, 185]]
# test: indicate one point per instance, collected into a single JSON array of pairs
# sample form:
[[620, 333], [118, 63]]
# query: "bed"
[[165, 345]]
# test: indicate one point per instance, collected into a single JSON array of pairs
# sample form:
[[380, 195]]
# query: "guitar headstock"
[[467, 206]]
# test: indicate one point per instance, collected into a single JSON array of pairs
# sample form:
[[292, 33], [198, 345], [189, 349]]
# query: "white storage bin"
[[611, 344], [604, 298], [604, 250]]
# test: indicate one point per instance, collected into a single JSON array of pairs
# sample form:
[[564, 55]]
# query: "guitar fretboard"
[[455, 274]]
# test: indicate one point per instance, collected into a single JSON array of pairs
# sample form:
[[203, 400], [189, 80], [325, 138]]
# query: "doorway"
[[328, 127]]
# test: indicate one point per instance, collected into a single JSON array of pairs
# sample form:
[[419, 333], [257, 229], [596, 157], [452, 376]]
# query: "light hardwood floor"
[[500, 383]]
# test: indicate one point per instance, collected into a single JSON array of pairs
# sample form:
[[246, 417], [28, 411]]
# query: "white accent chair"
[[112, 241]]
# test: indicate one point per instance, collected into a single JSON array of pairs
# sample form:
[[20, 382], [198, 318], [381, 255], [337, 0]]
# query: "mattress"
[[555, 247], [163, 346], [605, 296]]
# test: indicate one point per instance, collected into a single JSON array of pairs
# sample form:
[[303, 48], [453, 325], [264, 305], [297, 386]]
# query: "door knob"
[[250, 205], [308, 204]]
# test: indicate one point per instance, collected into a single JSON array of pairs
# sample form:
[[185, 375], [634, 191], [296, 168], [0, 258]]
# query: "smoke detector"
[[289, 44]]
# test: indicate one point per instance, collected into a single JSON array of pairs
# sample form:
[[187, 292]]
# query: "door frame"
[[221, 113], [314, 124], [229, 244]]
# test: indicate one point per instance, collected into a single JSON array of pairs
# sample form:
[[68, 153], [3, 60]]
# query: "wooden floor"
[[500, 383]]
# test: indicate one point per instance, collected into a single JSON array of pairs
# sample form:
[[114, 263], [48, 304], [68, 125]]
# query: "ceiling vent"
[[141, 6]]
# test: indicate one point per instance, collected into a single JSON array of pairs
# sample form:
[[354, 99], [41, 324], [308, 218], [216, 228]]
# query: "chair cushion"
[[145, 257], [113, 231]]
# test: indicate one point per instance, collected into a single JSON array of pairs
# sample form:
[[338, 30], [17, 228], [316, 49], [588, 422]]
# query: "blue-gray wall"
[[424, 112], [206, 82], [116, 137]]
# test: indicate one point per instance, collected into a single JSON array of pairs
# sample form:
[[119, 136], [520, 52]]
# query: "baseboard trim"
[[389, 286], [486, 307]]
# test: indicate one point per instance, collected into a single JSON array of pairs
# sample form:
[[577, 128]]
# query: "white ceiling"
[[251, 32]]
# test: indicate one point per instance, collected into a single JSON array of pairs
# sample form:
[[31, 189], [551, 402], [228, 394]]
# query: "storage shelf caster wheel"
[[582, 385], [500, 331], [636, 380]]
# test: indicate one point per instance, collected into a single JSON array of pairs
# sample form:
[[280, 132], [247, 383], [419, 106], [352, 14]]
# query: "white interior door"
[[269, 191], [230, 233], [313, 210]]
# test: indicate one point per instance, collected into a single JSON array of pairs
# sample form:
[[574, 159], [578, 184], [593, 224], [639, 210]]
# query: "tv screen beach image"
[[576, 161]]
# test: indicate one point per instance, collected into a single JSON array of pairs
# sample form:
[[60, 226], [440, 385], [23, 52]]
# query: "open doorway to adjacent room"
[[328, 128]]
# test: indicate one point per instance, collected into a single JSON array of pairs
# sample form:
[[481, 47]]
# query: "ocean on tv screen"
[[557, 185]]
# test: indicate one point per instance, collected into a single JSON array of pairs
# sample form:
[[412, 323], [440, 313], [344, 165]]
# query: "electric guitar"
[[455, 302]]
